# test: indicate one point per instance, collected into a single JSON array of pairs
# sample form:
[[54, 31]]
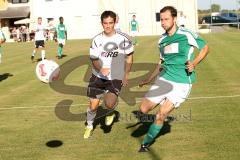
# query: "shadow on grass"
[[144, 123], [100, 119], [5, 76], [54, 143]]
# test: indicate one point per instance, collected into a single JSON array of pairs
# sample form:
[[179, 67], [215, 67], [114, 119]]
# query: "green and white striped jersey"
[[61, 29], [175, 51]]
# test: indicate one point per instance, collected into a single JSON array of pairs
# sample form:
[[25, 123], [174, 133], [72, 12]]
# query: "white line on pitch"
[[86, 104]]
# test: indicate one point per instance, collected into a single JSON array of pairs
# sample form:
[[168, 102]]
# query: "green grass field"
[[34, 114]]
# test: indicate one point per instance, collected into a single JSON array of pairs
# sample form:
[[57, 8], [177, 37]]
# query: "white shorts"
[[61, 41], [133, 33], [163, 89]]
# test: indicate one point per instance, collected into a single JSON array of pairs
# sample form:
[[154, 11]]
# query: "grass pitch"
[[42, 122]]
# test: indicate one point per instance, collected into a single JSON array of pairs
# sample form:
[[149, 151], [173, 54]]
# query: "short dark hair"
[[171, 9], [39, 17], [60, 18], [107, 14]]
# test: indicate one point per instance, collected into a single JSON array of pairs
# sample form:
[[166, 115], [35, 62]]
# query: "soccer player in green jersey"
[[61, 36], [2, 40], [175, 72], [134, 29]]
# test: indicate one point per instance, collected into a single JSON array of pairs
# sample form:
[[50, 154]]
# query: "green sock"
[[60, 51], [152, 133]]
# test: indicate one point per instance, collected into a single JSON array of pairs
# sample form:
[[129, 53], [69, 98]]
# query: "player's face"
[[39, 21], [108, 25], [61, 20], [167, 21]]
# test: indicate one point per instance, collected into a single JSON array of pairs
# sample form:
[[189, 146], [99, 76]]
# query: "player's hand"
[[105, 71], [144, 82], [190, 66], [55, 39]]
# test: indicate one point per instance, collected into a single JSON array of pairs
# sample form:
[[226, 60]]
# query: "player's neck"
[[172, 30], [109, 34]]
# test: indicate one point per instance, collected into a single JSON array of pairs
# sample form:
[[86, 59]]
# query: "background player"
[[61, 36], [39, 39]]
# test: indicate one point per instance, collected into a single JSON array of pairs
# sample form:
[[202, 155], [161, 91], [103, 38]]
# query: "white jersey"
[[111, 51], [2, 37], [39, 32], [181, 21]]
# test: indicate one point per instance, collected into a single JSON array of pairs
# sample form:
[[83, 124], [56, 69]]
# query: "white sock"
[[33, 53], [90, 117], [43, 54], [0, 58]]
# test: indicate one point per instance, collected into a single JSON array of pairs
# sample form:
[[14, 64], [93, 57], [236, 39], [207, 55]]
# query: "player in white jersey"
[[111, 54], [2, 40], [39, 39]]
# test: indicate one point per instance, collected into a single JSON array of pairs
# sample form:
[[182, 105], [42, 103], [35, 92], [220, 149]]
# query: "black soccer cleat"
[[32, 58], [144, 148]]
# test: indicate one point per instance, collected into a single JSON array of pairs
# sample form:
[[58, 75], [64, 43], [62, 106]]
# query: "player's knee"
[[160, 117], [110, 105], [144, 109]]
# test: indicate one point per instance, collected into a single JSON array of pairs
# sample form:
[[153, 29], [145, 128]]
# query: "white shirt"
[[111, 52], [181, 21], [2, 37], [39, 32]]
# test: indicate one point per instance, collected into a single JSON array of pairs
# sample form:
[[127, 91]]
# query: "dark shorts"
[[39, 43], [98, 86]]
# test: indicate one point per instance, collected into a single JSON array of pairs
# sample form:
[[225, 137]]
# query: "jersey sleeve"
[[159, 46], [196, 41], [128, 45], [94, 53], [201, 43]]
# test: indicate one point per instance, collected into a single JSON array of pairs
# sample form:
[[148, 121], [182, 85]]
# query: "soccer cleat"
[[144, 148], [109, 119], [32, 58], [88, 132]]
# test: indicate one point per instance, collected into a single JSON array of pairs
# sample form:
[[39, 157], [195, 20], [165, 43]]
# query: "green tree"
[[215, 8]]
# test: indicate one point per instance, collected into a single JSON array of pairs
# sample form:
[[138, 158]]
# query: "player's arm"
[[96, 63], [55, 35], [128, 66], [137, 27], [202, 54], [153, 74], [98, 67], [2, 39], [66, 35]]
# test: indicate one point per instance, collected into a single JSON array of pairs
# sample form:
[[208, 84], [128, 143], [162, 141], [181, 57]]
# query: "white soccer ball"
[[47, 71]]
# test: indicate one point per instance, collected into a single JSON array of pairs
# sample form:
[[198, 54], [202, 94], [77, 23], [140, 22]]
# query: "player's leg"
[[110, 101], [91, 114], [35, 50], [156, 127], [60, 48], [113, 88], [94, 93], [0, 54], [42, 45]]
